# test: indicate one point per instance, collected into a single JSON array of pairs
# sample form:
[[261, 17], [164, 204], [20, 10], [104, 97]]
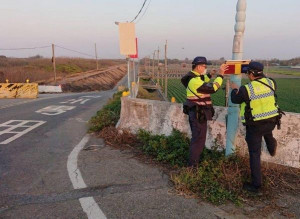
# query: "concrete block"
[[162, 117], [49, 89]]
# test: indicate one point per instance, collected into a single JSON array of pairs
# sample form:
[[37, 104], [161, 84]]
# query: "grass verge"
[[217, 179], [109, 115]]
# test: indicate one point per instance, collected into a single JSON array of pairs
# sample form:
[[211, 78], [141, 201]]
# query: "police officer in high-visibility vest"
[[198, 105], [259, 113]]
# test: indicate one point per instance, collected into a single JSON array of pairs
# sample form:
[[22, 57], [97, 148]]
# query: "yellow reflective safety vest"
[[262, 104], [195, 83]]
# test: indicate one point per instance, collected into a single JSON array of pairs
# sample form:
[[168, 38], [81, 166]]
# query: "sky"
[[192, 27]]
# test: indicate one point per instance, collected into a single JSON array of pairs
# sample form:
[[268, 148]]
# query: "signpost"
[[128, 44]]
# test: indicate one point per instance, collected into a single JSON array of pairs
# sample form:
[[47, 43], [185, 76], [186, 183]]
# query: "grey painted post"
[[237, 54], [53, 62], [166, 70]]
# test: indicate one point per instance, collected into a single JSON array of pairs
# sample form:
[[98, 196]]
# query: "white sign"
[[127, 38]]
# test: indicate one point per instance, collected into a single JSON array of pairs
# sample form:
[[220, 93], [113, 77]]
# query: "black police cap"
[[200, 60]]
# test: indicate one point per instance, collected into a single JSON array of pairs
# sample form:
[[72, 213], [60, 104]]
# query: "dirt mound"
[[93, 80]]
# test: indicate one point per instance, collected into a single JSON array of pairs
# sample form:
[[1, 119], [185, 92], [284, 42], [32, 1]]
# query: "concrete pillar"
[[237, 54]]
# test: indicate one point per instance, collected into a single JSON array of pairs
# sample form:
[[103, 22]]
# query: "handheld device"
[[237, 66]]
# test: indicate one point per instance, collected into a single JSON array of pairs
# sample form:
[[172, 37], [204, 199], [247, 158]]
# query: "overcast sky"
[[192, 27]]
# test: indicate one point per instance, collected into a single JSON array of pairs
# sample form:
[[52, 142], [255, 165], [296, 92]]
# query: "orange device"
[[237, 66]]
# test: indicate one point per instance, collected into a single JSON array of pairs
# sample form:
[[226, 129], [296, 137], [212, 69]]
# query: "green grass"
[[284, 71], [109, 115], [287, 90]]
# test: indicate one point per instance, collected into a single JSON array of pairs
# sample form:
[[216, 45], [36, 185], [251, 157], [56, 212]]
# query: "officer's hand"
[[223, 68], [234, 86]]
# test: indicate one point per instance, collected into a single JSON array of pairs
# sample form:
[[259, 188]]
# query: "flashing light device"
[[237, 66]]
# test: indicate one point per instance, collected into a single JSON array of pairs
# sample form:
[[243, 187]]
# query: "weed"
[[172, 149], [109, 115]]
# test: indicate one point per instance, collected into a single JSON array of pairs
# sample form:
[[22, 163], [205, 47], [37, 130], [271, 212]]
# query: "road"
[[36, 138]]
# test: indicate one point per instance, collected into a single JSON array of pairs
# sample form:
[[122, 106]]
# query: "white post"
[[237, 54]]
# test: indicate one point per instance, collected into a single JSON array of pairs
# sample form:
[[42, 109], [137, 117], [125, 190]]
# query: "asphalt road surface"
[[36, 138]]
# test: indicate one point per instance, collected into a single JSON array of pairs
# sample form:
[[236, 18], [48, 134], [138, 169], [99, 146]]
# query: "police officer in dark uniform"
[[259, 113], [198, 104]]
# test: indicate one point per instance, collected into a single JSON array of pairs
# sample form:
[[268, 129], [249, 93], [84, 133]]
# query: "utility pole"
[[149, 64], [153, 63], [166, 70], [237, 54], [158, 66], [53, 62], [96, 55]]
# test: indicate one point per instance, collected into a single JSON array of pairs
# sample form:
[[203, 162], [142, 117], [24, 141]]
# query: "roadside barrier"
[[18, 90], [50, 89], [161, 117]]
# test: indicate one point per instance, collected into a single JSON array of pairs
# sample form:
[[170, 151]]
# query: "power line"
[[139, 11], [143, 13], [82, 53], [40, 47]]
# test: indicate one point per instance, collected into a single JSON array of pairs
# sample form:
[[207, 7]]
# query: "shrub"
[[109, 115], [172, 149]]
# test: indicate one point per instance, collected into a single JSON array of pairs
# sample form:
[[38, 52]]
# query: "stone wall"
[[162, 117]]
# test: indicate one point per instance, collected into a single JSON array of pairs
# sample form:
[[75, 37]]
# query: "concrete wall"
[[161, 117]]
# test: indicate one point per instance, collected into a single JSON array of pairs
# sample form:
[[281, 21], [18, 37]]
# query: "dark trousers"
[[254, 134], [198, 138]]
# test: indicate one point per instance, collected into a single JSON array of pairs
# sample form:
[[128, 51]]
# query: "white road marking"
[[20, 124], [88, 204], [54, 110], [72, 101], [82, 100], [90, 97]]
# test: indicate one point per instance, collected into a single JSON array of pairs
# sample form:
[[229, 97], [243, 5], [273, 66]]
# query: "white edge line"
[[88, 204]]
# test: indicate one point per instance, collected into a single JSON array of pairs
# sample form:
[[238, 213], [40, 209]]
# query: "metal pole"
[[227, 92], [128, 73], [53, 61], [149, 65], [166, 70], [133, 70], [237, 54], [96, 56], [153, 64], [158, 65]]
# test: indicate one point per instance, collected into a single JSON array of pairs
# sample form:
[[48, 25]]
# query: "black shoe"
[[273, 153], [251, 188]]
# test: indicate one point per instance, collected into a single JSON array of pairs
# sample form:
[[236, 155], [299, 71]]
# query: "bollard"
[[173, 100]]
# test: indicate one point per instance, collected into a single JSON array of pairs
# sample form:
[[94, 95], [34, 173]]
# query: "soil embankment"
[[93, 80]]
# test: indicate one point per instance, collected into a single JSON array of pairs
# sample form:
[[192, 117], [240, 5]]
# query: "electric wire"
[[139, 11], [39, 47], [143, 13], [82, 53]]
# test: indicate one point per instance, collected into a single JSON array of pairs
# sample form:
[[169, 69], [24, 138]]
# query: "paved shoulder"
[[126, 188]]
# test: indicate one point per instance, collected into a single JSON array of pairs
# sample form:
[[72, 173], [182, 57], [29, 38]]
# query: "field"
[[38, 69], [284, 71], [287, 91]]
